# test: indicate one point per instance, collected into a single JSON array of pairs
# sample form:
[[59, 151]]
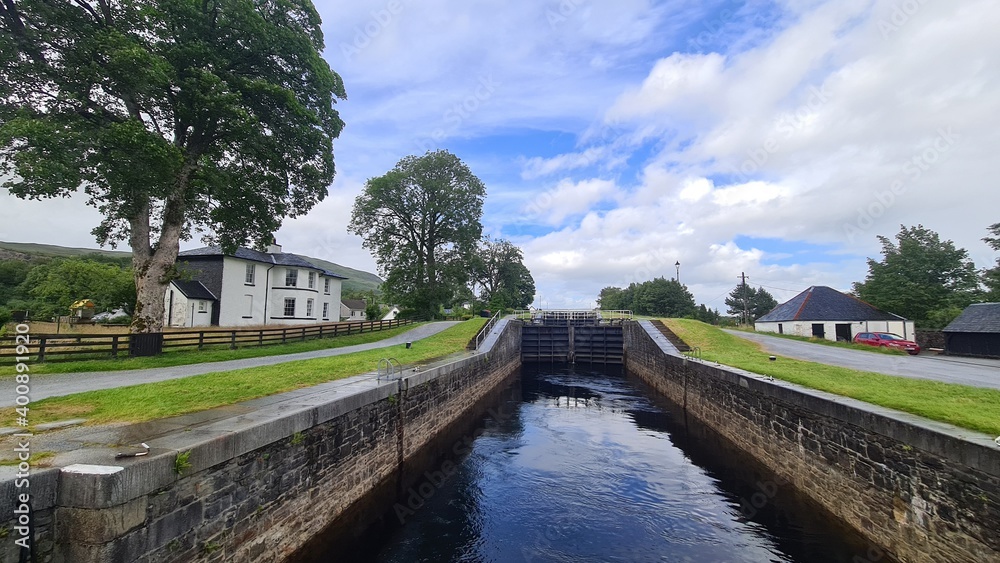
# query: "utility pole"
[[746, 303]]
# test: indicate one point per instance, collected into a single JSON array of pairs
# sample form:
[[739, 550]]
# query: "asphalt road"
[[58, 384], [949, 369]]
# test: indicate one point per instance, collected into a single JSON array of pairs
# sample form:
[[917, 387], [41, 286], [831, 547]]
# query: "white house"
[[824, 312], [250, 288], [352, 309]]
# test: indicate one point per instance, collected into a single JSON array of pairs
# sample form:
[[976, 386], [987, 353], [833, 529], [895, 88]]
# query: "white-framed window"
[[312, 280], [251, 274], [291, 277], [326, 311], [202, 307], [326, 286], [289, 306], [309, 307]]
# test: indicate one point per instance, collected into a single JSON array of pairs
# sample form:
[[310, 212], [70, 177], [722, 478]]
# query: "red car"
[[887, 340]]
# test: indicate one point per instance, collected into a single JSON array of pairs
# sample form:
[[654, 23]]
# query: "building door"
[[818, 331], [843, 332]]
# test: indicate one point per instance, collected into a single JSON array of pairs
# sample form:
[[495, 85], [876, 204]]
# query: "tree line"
[[46, 287], [658, 297]]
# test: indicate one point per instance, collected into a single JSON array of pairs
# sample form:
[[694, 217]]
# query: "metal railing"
[[388, 364], [482, 334]]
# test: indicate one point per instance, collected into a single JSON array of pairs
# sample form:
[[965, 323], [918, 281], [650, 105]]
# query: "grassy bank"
[[191, 394], [218, 354], [968, 407]]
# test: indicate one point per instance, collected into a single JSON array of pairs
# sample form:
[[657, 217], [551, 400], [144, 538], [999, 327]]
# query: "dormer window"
[[291, 278]]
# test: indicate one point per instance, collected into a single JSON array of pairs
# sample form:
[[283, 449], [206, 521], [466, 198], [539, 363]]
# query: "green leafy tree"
[[748, 303], [421, 220], [172, 116], [499, 272], [657, 297], [919, 274], [53, 287], [991, 276]]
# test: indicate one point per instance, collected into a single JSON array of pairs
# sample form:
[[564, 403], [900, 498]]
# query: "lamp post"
[[678, 266]]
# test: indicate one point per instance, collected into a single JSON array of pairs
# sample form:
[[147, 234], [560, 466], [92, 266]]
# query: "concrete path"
[[58, 384], [949, 369]]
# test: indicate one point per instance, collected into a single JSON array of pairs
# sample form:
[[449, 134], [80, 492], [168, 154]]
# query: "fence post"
[[232, 340], [260, 338], [41, 349], [114, 346], [201, 339], [284, 335], [303, 334], [321, 332]]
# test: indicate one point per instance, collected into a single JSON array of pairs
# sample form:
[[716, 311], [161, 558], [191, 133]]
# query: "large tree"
[[421, 220], [173, 117], [749, 303], [498, 271], [991, 276], [657, 297], [918, 275]]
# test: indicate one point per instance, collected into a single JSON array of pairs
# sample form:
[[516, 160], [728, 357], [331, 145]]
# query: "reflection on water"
[[588, 465]]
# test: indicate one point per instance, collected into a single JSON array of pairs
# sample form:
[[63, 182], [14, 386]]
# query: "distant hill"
[[357, 279], [32, 249]]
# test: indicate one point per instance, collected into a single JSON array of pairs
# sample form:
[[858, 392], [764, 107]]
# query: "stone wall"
[[259, 493], [919, 490]]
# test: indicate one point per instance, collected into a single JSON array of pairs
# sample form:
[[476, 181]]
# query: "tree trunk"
[[152, 276], [154, 264]]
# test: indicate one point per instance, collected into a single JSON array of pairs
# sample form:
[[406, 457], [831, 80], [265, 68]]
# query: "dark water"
[[585, 464]]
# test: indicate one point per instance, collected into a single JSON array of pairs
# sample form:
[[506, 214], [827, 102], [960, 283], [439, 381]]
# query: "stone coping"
[[89, 476], [968, 447]]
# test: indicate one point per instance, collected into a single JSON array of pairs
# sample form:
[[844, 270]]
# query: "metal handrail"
[[388, 363], [487, 328]]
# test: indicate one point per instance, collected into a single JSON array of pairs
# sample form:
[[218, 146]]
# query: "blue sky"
[[619, 137]]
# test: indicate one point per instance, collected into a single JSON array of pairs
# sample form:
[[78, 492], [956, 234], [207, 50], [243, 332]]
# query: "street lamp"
[[678, 266]]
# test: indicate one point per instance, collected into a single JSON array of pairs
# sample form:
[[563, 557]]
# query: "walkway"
[[58, 384], [948, 369]]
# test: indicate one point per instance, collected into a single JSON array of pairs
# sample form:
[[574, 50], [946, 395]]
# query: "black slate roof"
[[355, 304], [980, 317], [280, 258], [193, 289], [821, 303]]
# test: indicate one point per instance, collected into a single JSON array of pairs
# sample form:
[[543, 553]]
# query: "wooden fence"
[[65, 347]]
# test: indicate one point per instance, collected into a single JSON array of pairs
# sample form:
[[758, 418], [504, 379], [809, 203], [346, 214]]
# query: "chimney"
[[274, 247]]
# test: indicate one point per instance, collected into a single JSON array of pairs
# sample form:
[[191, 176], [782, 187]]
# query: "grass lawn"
[[825, 342], [201, 392], [974, 408], [219, 354]]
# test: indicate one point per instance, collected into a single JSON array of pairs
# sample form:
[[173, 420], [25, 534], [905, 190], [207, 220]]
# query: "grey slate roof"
[[821, 303], [194, 289], [355, 304], [979, 317], [281, 258]]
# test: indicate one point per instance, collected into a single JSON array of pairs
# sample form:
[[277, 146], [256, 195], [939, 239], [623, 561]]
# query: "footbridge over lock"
[[571, 336]]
